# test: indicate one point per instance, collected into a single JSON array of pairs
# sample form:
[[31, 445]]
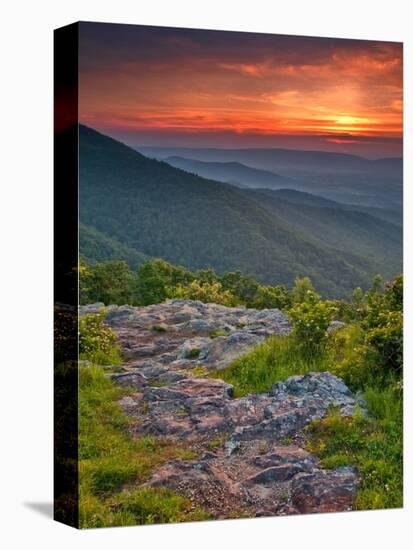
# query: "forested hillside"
[[97, 247], [373, 238], [234, 172], [151, 208]]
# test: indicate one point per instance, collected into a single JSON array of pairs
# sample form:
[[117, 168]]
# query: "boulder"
[[324, 491]]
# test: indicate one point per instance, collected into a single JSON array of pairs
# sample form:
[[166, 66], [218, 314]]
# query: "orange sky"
[[154, 86]]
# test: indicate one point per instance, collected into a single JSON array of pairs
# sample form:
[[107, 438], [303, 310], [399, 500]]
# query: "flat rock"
[[251, 459]]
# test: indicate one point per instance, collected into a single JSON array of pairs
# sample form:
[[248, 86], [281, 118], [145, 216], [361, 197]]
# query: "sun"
[[348, 120]]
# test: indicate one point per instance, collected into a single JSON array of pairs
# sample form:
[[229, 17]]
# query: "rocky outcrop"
[[251, 460]]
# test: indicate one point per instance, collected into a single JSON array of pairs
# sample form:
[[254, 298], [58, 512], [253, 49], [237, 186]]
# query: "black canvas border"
[[66, 292]]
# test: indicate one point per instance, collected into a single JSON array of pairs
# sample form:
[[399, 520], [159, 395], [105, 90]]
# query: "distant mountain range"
[[341, 177], [134, 207], [235, 173]]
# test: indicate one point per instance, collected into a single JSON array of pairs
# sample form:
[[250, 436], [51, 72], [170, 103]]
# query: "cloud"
[[181, 79]]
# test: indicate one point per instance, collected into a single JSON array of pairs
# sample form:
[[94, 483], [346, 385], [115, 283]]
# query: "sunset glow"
[[207, 88]]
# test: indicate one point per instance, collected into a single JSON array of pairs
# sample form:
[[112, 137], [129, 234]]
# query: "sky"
[[193, 88]]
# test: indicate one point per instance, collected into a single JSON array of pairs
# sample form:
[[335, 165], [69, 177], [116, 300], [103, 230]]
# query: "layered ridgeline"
[[133, 207], [342, 177]]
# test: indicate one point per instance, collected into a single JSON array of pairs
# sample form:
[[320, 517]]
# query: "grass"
[[217, 442], [374, 445], [197, 372], [99, 357], [111, 462], [279, 357], [274, 360]]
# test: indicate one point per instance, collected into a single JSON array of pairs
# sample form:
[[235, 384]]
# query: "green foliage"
[[270, 297], [218, 332], [149, 506], [157, 280], [377, 351], [250, 293], [107, 282], [374, 445], [274, 360], [110, 460], [383, 322], [205, 292], [97, 342], [153, 209], [245, 287], [303, 290], [358, 297], [348, 361], [98, 247], [310, 319], [350, 352], [155, 277], [366, 353]]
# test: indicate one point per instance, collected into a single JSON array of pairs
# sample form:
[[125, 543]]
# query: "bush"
[[311, 319], [303, 290], [155, 277], [270, 297], [383, 323], [204, 292], [97, 342], [348, 357], [107, 282], [372, 344]]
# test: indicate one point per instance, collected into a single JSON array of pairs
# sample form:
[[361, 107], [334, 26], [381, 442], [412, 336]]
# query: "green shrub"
[[349, 359], [154, 277], [204, 292], [97, 342], [270, 297], [383, 325], [311, 319], [303, 290], [108, 282]]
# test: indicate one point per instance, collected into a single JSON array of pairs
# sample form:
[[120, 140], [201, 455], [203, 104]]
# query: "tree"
[[270, 297], [109, 282], [303, 289], [155, 277], [205, 292]]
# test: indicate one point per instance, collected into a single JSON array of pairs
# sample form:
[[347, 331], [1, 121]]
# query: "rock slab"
[[251, 460]]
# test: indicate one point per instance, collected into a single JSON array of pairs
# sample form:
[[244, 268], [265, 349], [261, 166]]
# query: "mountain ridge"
[[161, 211]]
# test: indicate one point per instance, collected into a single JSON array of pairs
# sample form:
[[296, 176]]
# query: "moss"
[[161, 327], [193, 353], [198, 372], [218, 332]]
